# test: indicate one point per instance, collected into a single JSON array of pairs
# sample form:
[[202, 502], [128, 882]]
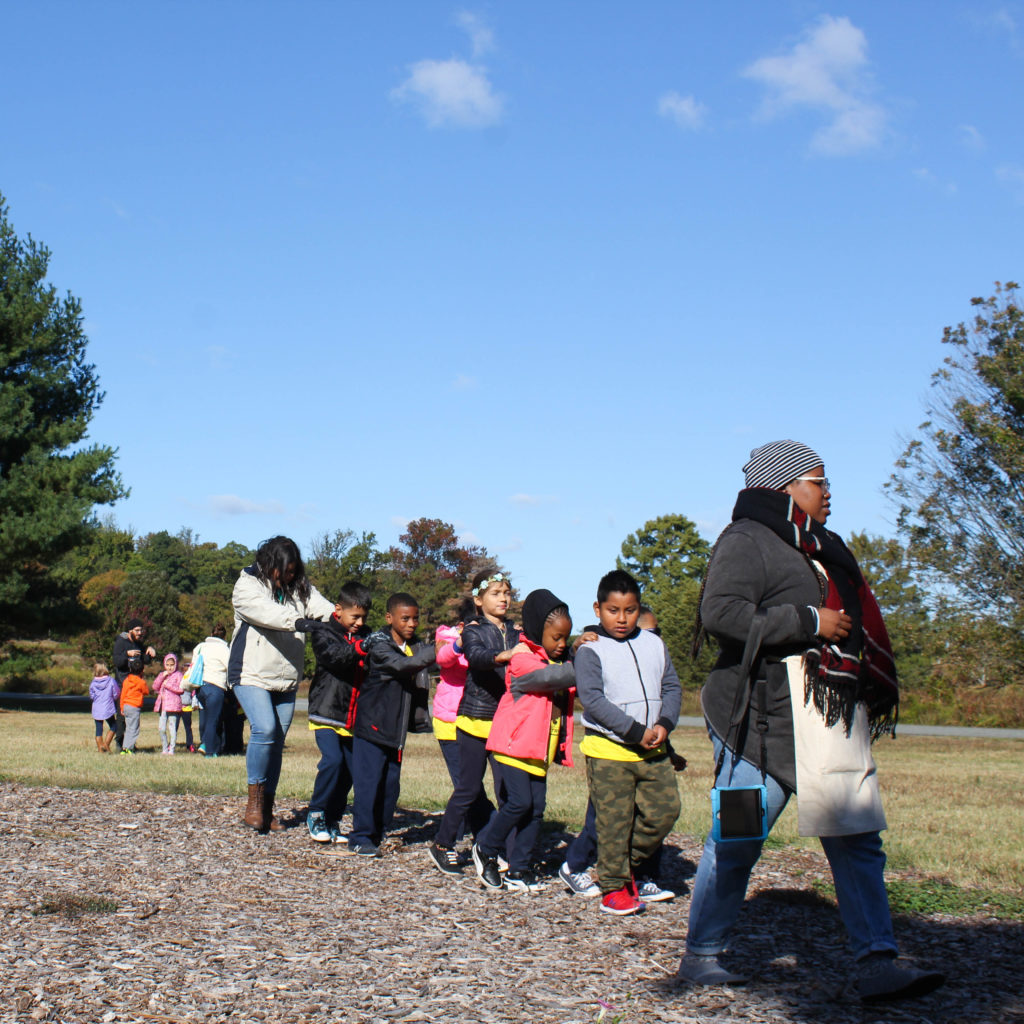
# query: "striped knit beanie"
[[778, 463]]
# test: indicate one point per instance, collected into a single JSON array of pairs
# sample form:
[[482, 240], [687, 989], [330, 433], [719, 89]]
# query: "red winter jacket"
[[522, 723]]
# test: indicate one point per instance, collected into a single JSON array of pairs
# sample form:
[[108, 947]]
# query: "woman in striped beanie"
[[821, 684]]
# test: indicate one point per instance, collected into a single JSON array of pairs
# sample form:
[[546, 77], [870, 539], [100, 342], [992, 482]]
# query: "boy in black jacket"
[[382, 721], [333, 695]]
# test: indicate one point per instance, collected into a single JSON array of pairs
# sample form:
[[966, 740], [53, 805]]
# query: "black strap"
[[741, 702]]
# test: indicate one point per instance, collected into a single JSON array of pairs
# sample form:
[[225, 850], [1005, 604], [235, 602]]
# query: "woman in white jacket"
[[273, 602]]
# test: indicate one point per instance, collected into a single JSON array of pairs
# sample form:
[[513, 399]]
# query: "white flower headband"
[[498, 577]]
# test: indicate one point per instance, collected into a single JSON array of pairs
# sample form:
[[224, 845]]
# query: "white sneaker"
[[579, 882], [651, 892]]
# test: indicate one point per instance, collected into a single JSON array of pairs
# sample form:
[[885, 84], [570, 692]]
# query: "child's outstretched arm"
[[397, 664], [550, 679], [334, 652]]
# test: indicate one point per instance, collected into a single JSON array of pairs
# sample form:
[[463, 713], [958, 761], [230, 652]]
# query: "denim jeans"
[[212, 699], [376, 778], [719, 889], [270, 714]]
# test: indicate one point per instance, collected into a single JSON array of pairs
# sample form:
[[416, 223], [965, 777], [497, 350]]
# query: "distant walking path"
[[49, 702]]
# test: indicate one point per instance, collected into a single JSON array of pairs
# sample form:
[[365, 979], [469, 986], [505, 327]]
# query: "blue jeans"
[[212, 699], [376, 778], [270, 714], [719, 889]]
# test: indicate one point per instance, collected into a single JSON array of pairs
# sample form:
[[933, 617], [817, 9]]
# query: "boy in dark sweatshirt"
[[383, 713]]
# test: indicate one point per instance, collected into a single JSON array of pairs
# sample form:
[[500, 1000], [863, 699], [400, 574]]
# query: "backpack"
[[193, 678]]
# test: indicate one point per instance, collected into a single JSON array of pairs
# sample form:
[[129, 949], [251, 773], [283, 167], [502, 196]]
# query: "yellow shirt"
[[443, 730], [339, 729], [478, 727], [595, 745]]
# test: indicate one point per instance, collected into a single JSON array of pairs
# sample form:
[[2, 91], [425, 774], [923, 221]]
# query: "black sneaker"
[[363, 850], [445, 859], [487, 869], [523, 881]]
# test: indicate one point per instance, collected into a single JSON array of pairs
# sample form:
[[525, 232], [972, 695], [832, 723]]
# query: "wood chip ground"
[[132, 907]]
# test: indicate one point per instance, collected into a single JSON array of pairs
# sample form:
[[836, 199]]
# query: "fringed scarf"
[[861, 667]]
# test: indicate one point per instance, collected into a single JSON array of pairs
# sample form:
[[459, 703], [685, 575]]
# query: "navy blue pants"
[[469, 804], [522, 812], [376, 781], [333, 774], [212, 699]]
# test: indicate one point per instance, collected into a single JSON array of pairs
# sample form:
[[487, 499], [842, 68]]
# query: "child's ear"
[[597, 609], [388, 618]]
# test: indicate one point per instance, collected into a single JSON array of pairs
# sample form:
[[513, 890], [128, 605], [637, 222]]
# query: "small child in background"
[[383, 714], [333, 697], [103, 692], [532, 729], [189, 700], [168, 686], [631, 697], [133, 689]]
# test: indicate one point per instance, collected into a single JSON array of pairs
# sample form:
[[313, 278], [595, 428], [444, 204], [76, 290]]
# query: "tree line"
[[951, 582]]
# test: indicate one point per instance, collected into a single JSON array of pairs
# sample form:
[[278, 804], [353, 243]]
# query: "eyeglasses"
[[821, 481]]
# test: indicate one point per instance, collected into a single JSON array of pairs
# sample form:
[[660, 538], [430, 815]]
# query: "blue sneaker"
[[337, 836], [363, 850], [317, 825]]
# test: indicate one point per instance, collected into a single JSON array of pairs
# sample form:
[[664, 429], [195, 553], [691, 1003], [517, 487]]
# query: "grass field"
[[955, 806]]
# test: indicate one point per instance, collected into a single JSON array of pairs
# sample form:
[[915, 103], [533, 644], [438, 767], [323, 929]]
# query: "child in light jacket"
[[168, 702], [103, 692]]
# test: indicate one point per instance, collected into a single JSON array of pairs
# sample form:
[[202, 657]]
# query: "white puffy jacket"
[[266, 650], [215, 661]]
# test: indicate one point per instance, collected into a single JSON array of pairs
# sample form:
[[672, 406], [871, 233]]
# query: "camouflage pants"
[[636, 804]]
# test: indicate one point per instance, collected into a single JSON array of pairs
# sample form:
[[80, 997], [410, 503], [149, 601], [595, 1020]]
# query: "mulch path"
[[205, 921]]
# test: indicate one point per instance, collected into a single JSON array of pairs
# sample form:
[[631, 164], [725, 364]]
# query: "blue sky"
[[542, 270]]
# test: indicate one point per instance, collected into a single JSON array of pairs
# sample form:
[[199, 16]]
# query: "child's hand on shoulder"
[[584, 638]]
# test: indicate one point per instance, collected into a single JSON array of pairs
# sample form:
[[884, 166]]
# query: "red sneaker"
[[621, 902]]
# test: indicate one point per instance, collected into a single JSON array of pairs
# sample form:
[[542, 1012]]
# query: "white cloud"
[[1012, 175], [971, 137], [945, 187], [233, 505], [480, 36], [825, 71], [686, 111], [220, 357], [119, 210], [464, 383], [530, 500], [451, 92], [513, 545], [401, 521]]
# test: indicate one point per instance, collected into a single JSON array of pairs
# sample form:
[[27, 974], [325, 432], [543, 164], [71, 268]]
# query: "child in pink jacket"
[[168, 687], [532, 729], [453, 665]]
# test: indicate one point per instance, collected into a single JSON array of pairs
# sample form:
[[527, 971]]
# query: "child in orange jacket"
[[133, 689], [532, 729]]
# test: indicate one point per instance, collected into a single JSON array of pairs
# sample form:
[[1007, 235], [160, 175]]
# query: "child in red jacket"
[[532, 729]]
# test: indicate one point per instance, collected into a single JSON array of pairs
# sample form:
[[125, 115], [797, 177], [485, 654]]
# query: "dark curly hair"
[[273, 558]]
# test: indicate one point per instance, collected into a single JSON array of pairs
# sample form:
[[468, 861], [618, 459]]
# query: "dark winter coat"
[[485, 681], [122, 645], [340, 667], [386, 697]]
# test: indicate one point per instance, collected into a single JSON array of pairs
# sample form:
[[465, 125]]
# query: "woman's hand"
[[833, 625]]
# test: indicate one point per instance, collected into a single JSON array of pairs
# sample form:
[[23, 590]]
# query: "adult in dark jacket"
[[822, 683], [489, 642], [383, 715], [126, 645]]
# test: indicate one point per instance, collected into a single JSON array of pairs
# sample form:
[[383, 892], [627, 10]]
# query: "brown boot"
[[99, 745], [273, 823], [254, 816], [108, 740]]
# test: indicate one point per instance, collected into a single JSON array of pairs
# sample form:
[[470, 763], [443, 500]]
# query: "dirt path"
[[205, 921]]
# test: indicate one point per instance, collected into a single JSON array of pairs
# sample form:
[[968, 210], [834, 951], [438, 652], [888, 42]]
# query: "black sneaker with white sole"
[[523, 881], [487, 869], [445, 859]]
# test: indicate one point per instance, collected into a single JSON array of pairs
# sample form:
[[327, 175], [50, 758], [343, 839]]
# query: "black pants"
[[469, 801], [521, 813]]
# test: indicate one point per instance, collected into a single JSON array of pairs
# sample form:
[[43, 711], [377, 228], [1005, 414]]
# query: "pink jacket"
[[168, 686], [453, 675], [522, 724]]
